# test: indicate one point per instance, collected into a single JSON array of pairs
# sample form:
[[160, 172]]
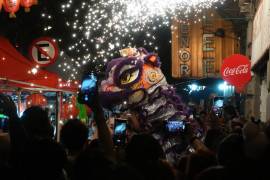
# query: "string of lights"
[[100, 28]]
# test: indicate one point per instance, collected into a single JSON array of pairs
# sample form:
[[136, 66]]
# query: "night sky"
[[28, 26]]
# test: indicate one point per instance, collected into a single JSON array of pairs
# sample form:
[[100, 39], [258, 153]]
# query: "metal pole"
[[19, 93], [58, 115]]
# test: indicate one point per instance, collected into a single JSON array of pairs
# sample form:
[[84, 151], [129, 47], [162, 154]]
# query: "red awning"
[[16, 70]]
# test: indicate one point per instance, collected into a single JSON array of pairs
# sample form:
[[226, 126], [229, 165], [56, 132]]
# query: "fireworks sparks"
[[102, 27]]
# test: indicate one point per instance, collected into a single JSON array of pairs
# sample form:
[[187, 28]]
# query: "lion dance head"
[[136, 82]]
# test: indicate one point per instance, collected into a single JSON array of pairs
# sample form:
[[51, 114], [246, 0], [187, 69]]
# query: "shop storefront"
[[29, 85]]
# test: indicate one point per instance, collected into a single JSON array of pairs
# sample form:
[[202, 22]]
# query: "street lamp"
[[193, 87], [224, 87]]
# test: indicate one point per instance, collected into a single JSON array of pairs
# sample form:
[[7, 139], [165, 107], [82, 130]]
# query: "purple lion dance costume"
[[136, 82]]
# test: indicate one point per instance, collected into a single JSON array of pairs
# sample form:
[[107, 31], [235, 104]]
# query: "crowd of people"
[[227, 148]]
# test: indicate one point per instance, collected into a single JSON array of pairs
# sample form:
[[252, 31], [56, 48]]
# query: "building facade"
[[258, 43], [198, 47]]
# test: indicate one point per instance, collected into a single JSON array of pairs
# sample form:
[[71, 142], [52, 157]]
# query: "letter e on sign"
[[44, 51], [236, 70]]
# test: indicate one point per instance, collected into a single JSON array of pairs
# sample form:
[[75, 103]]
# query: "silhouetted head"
[[229, 113], [191, 165], [203, 114], [36, 123], [44, 159], [92, 165], [213, 173], [158, 170], [143, 148], [74, 135], [231, 150], [251, 129], [124, 172], [213, 138]]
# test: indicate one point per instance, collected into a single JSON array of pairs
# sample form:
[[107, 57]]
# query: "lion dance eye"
[[129, 76]]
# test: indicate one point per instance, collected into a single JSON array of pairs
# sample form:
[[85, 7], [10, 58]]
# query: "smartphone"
[[120, 132], [175, 127], [3, 118], [4, 122], [88, 86], [218, 102]]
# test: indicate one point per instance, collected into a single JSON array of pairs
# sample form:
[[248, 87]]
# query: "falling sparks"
[[100, 28]]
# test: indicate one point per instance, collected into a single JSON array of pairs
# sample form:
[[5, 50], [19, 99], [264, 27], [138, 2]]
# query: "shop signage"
[[208, 42], [184, 37], [208, 48], [44, 51], [196, 50], [236, 70], [184, 53]]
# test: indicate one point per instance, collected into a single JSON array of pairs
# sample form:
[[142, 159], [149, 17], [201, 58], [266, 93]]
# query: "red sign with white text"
[[236, 70]]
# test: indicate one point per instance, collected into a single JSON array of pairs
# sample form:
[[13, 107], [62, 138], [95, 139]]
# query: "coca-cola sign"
[[236, 71], [241, 69]]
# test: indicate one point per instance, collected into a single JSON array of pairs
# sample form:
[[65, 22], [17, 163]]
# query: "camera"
[[120, 132], [88, 87], [218, 103], [174, 127]]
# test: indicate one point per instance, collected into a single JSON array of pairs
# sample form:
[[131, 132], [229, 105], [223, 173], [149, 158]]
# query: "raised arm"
[[103, 130], [16, 131]]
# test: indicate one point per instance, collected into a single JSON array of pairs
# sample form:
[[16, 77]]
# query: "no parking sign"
[[44, 51]]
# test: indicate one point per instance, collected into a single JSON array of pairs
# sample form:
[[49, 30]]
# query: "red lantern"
[[236, 70], [36, 100], [27, 4], [69, 109], [64, 111], [1, 4], [35, 2], [12, 6], [72, 111]]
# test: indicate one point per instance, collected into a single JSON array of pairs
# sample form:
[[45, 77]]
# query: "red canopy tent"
[[17, 71]]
